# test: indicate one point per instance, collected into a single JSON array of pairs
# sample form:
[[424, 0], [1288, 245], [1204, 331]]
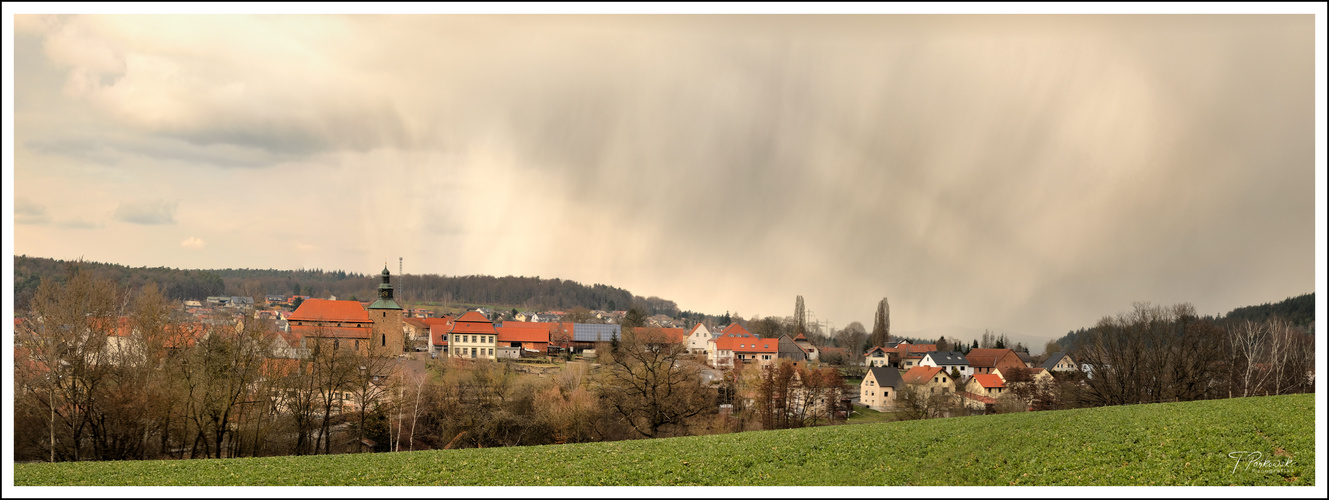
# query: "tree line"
[[186, 284]]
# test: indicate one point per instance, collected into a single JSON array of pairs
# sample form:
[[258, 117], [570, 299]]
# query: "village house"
[[1039, 377], [586, 335], [527, 337], [472, 336], [697, 339], [811, 352], [1060, 362], [790, 350], [947, 360], [984, 361], [736, 343], [879, 387], [438, 337], [929, 379], [1025, 358], [902, 355], [821, 404], [992, 385], [877, 356]]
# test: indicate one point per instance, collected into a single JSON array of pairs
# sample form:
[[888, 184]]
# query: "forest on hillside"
[[1299, 311], [198, 284]]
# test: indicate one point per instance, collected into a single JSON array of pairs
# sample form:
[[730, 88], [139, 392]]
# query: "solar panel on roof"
[[585, 332]]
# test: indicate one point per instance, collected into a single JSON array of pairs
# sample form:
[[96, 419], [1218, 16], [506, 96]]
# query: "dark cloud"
[[147, 212], [28, 212], [1027, 174]]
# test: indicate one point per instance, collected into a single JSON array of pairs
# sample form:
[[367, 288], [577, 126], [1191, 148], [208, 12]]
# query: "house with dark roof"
[[948, 360], [1025, 358], [788, 349], [1060, 362], [879, 386]]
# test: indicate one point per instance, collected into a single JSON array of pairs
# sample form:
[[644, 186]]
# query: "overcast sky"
[[1027, 174]]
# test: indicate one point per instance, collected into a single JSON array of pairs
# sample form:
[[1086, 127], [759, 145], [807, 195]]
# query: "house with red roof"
[[333, 324], [438, 337], [811, 352], [530, 337], [472, 336], [877, 356], [992, 385], [697, 339], [736, 343], [347, 324], [929, 379], [982, 391], [659, 335], [988, 360]]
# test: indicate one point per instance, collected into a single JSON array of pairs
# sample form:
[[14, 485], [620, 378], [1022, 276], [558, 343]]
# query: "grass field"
[[865, 415], [1159, 444]]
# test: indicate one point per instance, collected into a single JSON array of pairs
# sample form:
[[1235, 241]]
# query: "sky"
[[1023, 174]]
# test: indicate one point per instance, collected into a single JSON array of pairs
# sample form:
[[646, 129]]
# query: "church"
[[346, 324]]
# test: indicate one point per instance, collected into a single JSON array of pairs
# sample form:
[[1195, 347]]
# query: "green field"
[[1159, 444]]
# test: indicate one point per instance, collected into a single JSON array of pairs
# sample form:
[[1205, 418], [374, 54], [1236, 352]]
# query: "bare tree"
[[1150, 354], [371, 380], [1247, 340], [70, 323], [651, 383], [220, 371], [851, 339]]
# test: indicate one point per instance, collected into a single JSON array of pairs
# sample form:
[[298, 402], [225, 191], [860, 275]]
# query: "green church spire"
[[385, 293]]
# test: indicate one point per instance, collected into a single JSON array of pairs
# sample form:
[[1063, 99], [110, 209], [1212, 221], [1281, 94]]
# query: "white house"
[[698, 338], [948, 360]]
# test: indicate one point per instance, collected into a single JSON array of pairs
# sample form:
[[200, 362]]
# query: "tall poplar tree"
[[881, 325], [800, 317]]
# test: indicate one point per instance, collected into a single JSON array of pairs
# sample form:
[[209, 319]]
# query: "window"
[[385, 340]]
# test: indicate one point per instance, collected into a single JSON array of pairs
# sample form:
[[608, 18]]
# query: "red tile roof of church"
[[330, 310]]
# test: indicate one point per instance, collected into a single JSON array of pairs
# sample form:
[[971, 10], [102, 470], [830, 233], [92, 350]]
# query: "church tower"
[[387, 338]]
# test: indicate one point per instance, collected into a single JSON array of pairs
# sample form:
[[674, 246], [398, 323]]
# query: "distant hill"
[[197, 284], [1299, 310]]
